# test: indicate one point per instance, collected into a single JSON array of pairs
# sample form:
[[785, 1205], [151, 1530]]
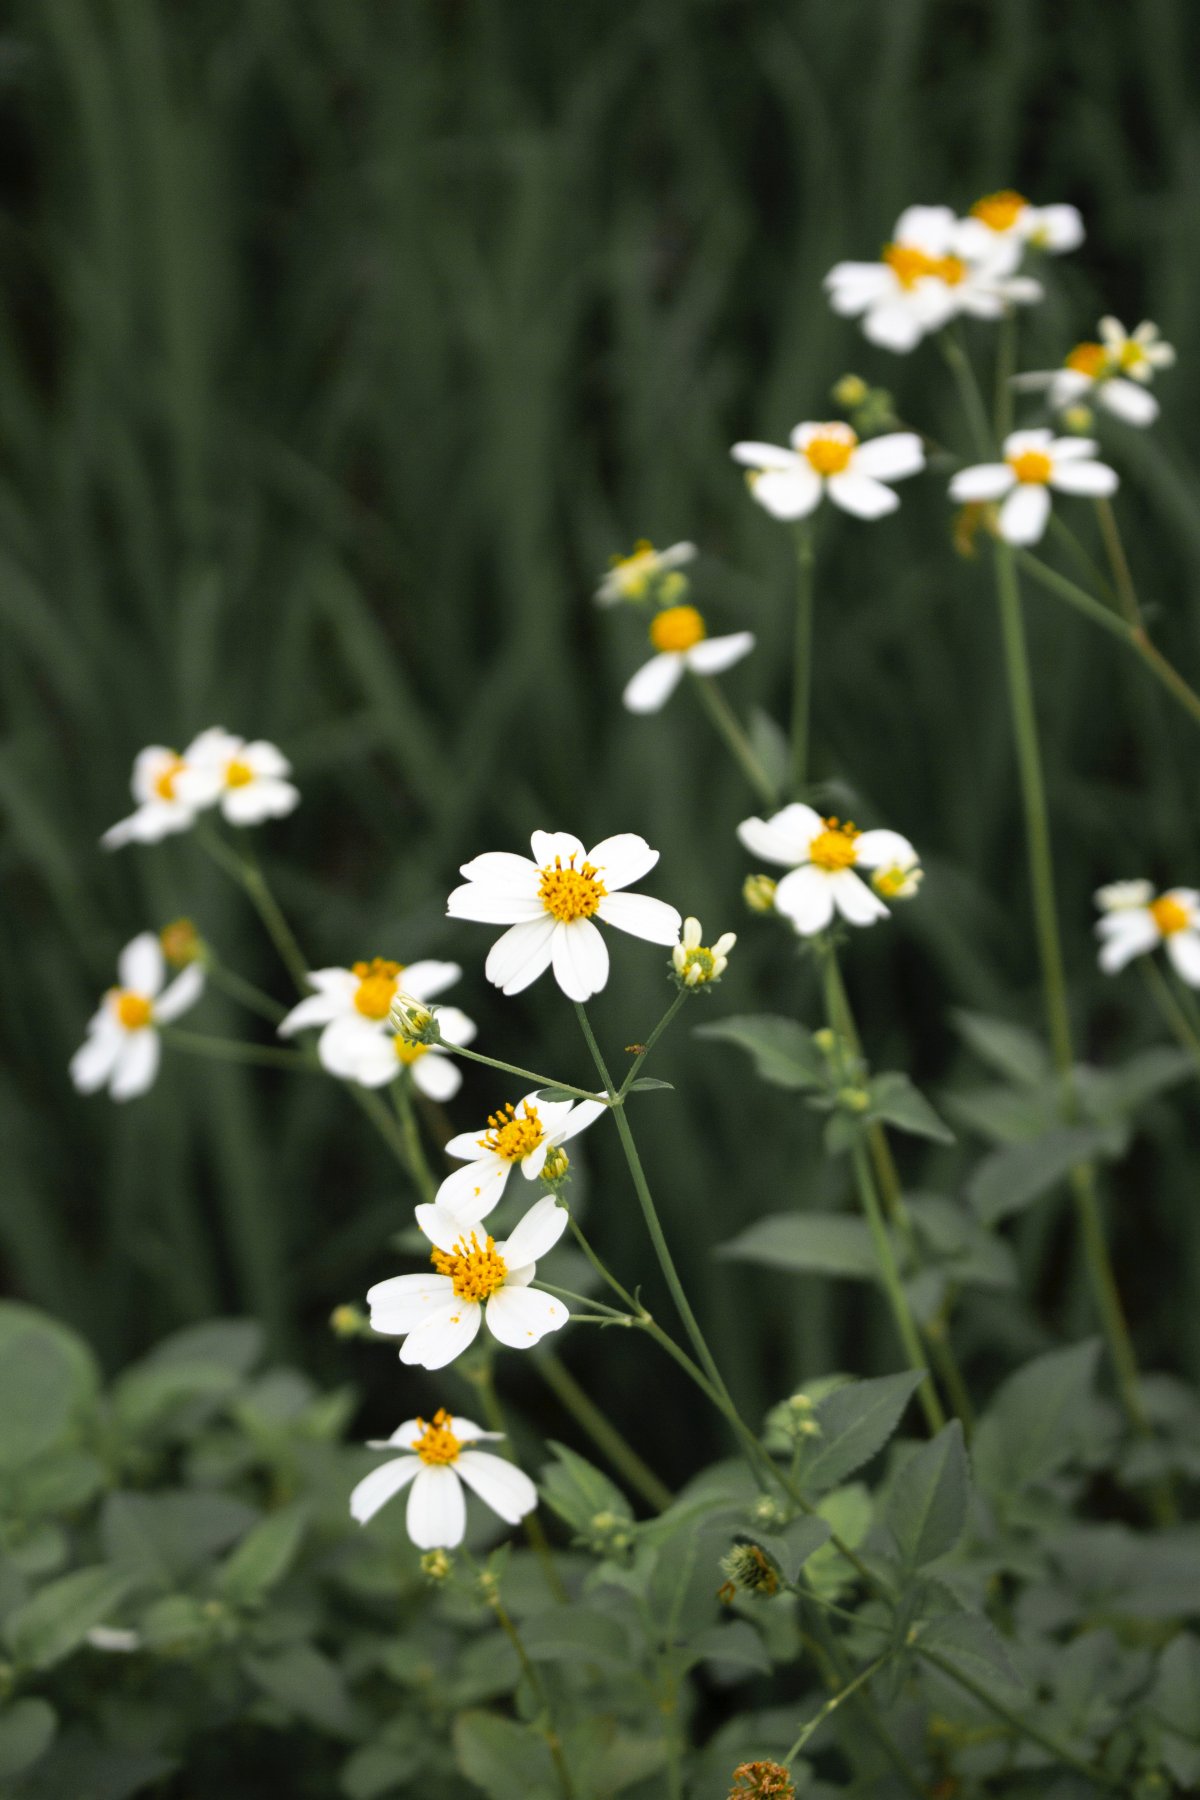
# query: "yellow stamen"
[[1033, 468], [408, 1053], [950, 269], [907, 264], [677, 628], [1169, 915], [1132, 355], [833, 848], [829, 452], [474, 1268], [437, 1442], [377, 981], [164, 781], [571, 893], [238, 774], [1000, 211], [511, 1137], [634, 572], [1087, 359], [133, 1010]]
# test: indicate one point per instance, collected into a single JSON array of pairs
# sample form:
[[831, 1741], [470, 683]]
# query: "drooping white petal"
[[96, 1057], [805, 897], [1183, 948], [499, 1484], [894, 324], [263, 798], [642, 916], [317, 1009], [1057, 228], [891, 457], [877, 849], [423, 980], [444, 1335], [652, 686], [1127, 401], [762, 456], [486, 905], [1090, 478], [475, 1190], [141, 965], [790, 493], [854, 286], [861, 496], [581, 1115], [136, 1065], [536, 1234], [265, 759], [437, 1512], [402, 1302], [1023, 515], [381, 1485], [785, 836], [712, 655], [183, 992], [856, 902], [436, 1077], [580, 956], [622, 858], [520, 1316], [1126, 935], [347, 1042], [522, 954], [983, 481], [1115, 896]]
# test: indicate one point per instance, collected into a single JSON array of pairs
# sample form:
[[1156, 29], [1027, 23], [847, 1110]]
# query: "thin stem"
[[644, 1049], [1170, 1008], [241, 990], [1062, 531], [968, 392], [826, 1644], [1059, 1751], [602, 1269], [388, 1128], [893, 1287], [535, 1535], [549, 1733], [1118, 562], [802, 658], [539, 1081], [278, 929], [1006, 363], [600, 1314], [603, 1433], [198, 1043], [410, 1131], [726, 724], [831, 1705]]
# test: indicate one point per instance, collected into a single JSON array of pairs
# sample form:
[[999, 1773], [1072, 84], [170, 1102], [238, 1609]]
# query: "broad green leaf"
[[809, 1243], [783, 1052], [1027, 1433], [382, 1769], [737, 1644], [1009, 1049], [1011, 1179], [307, 1684], [854, 1423], [161, 1539], [1174, 1704], [505, 1760], [148, 1396], [897, 1102], [233, 1344], [27, 1729], [263, 1557], [574, 1634], [579, 1493], [927, 1506], [970, 1643], [39, 1391], [848, 1511], [792, 1547], [770, 744], [60, 1615], [966, 1250]]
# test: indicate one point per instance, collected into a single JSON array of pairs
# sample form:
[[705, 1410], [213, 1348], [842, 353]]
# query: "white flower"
[[823, 856], [1034, 462], [695, 962], [161, 809], [357, 1043], [910, 292], [1113, 370], [680, 637], [829, 459], [898, 880], [634, 577], [437, 1513], [1008, 218], [122, 1048], [550, 904], [516, 1135], [1134, 922], [247, 780], [439, 1315]]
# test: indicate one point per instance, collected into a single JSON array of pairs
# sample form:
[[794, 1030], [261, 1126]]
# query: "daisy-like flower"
[[1135, 921], [1034, 463], [516, 1136], [550, 904], [437, 1461], [1009, 219], [357, 1043], [680, 638], [439, 1315], [645, 572], [824, 857], [695, 962], [1114, 371], [161, 807], [122, 1049], [828, 459], [910, 291], [248, 781], [898, 880]]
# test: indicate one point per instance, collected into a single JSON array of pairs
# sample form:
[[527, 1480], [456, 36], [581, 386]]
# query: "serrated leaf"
[[59, 1616], [809, 1243], [263, 1557], [1027, 1432], [970, 1643], [507, 1761], [927, 1506], [783, 1052], [578, 1492], [792, 1547], [1011, 1179], [1009, 1049], [855, 1422], [895, 1101]]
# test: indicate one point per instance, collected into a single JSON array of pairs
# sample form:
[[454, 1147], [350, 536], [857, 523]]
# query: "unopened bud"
[[349, 1322], [414, 1020], [751, 1570], [850, 391], [899, 881], [758, 891], [436, 1565], [762, 1781], [853, 1099], [556, 1165], [181, 943], [1079, 419]]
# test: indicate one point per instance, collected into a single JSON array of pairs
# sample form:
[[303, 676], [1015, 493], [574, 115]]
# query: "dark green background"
[[341, 345]]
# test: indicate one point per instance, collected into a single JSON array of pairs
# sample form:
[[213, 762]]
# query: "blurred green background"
[[341, 345]]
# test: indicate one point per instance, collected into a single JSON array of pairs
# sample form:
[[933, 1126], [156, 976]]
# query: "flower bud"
[[750, 1570], [762, 1781], [436, 1564], [899, 881], [349, 1322], [853, 1099], [413, 1020], [181, 943], [1079, 419], [850, 391], [556, 1166], [758, 891]]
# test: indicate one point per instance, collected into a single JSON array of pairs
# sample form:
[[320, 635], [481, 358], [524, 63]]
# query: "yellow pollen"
[[1033, 467], [511, 1137], [238, 774], [830, 452], [1169, 915], [437, 1442], [376, 986], [908, 264], [1001, 211], [164, 783], [677, 628], [474, 1268], [571, 893], [833, 848], [1131, 355], [950, 269], [1087, 359], [634, 572], [408, 1053], [133, 1010]]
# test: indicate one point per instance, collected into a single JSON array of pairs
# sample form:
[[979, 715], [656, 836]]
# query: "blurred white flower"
[[439, 1315], [680, 637], [695, 962], [161, 809], [1034, 463], [122, 1048], [1010, 219], [550, 903], [437, 1460], [1113, 371], [828, 459], [357, 1042], [1133, 922], [911, 290], [516, 1136], [644, 573], [248, 781], [824, 857]]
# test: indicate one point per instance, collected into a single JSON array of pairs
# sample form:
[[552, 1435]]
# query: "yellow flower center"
[[437, 1442], [571, 893], [677, 628], [907, 264], [408, 1053], [164, 781], [1169, 915], [634, 572], [1087, 359], [238, 774], [833, 848], [376, 990], [474, 1268], [830, 451], [1000, 212], [1132, 355], [511, 1137], [1033, 467], [133, 1010]]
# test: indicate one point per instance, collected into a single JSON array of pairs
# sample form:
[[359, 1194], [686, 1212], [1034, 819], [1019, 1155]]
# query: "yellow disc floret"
[[407, 1052], [474, 1268], [511, 1135], [634, 573], [677, 628], [437, 1442], [376, 990], [133, 1010], [569, 894], [830, 451], [907, 264], [164, 781], [1087, 359], [238, 774], [833, 848], [1000, 211], [1169, 915], [1033, 468]]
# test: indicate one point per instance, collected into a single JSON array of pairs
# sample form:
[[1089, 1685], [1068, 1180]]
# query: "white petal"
[[641, 916], [1126, 400], [763, 456], [521, 955], [1126, 935], [183, 992], [983, 481], [806, 898], [437, 1513], [341, 984], [649, 690], [137, 1064], [788, 493], [1091, 478], [854, 286], [93, 1062], [583, 1114], [265, 759], [472, 1192], [441, 1226], [344, 1042], [1057, 228], [519, 1316], [455, 1026], [377, 1488], [503, 872], [262, 798], [1183, 948], [425, 979], [785, 836], [141, 966], [375, 1060], [536, 1234], [856, 902], [891, 457], [928, 228], [622, 858], [1023, 515], [1115, 896], [861, 496], [444, 1335], [715, 654], [499, 1484], [1034, 437], [876, 849], [317, 1009], [580, 955], [403, 1302], [894, 325], [492, 906], [200, 785], [436, 1077], [547, 845]]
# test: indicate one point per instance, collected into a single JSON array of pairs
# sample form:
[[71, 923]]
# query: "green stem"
[[831, 1705], [277, 927], [241, 990], [968, 392], [893, 1287], [1118, 562], [602, 1269], [539, 1081], [1171, 1010], [802, 658], [727, 727], [830, 1652], [548, 1732], [1006, 364], [644, 1050], [535, 1535], [422, 1174], [198, 1043], [603, 1433], [1021, 1726], [370, 1103]]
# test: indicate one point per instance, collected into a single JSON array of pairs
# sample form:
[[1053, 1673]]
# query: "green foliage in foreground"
[[180, 1577]]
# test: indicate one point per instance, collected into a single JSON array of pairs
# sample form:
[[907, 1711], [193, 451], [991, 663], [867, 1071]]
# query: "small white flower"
[[550, 903], [161, 809], [681, 639], [1008, 218], [1134, 922], [439, 1315], [643, 573], [1034, 463], [122, 1049], [357, 1042], [911, 290], [695, 962], [1114, 371], [828, 459], [520, 1135], [247, 780], [824, 856], [437, 1512]]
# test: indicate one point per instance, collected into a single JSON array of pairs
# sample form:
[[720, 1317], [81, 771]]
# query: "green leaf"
[[646, 1084], [970, 1643], [854, 1423], [232, 1344], [161, 1539], [553, 1094], [1174, 1704], [308, 1685], [382, 1768], [27, 1729], [38, 1394], [1009, 1049], [60, 1615], [1011, 1179], [809, 1243], [575, 1634], [770, 744], [1028, 1432], [263, 1557], [792, 1547], [784, 1053], [579, 1492], [737, 1644], [506, 1760], [897, 1102], [927, 1507]]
